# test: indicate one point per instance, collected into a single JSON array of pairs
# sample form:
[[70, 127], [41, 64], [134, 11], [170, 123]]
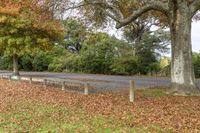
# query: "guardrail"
[[63, 84], [49, 82]]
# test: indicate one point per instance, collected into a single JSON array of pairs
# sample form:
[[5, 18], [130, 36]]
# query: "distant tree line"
[[85, 51], [101, 59]]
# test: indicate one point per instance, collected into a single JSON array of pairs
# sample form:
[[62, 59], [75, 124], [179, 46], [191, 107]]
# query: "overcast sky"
[[196, 36]]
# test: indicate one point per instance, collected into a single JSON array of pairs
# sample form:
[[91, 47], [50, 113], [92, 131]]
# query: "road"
[[103, 82]]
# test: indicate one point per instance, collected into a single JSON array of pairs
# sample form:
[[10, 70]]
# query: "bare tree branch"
[[75, 6], [109, 10], [158, 6]]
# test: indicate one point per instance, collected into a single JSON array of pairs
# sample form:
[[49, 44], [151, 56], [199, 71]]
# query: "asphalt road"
[[107, 82]]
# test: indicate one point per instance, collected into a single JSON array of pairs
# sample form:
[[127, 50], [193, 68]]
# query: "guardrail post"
[[19, 79], [45, 83], [86, 86], [30, 80], [131, 91], [9, 77], [63, 85]]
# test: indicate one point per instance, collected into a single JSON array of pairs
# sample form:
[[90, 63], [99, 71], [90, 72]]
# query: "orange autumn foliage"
[[27, 25], [34, 10]]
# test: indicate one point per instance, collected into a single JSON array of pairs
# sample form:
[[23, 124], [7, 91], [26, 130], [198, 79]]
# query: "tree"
[[75, 34], [41, 61], [196, 63], [178, 15], [148, 52], [164, 66], [135, 30], [98, 52], [26, 27]]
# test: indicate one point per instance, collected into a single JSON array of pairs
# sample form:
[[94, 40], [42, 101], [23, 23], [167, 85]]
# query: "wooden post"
[[63, 85], [30, 80], [131, 91], [86, 86], [9, 77], [1, 77], [45, 83], [19, 79]]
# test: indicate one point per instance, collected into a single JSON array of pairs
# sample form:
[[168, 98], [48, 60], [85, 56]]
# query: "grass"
[[158, 92], [37, 117], [30, 108]]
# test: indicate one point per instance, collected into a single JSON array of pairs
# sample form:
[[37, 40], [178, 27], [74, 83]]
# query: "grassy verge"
[[38, 117], [154, 92], [32, 108]]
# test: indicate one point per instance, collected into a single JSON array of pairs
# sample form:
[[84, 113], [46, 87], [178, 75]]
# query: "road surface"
[[104, 82]]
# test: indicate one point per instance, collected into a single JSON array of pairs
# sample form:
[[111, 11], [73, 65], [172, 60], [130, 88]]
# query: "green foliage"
[[98, 53], [101, 53], [61, 57], [26, 62], [86, 52], [75, 34], [29, 62], [41, 61], [96, 56], [124, 66], [18, 37], [66, 62], [26, 27], [5, 63], [165, 66], [196, 63]]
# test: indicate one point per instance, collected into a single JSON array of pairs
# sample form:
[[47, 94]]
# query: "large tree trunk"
[[15, 65], [182, 73]]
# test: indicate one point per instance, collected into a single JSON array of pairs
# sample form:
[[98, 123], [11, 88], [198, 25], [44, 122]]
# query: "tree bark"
[[182, 73], [15, 65]]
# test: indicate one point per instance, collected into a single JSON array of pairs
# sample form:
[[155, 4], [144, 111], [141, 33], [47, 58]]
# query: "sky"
[[196, 36]]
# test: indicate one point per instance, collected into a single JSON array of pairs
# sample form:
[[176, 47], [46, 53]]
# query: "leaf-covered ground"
[[32, 108]]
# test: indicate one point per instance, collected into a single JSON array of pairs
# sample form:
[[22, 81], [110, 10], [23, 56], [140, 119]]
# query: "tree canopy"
[[27, 26], [24, 27], [75, 34]]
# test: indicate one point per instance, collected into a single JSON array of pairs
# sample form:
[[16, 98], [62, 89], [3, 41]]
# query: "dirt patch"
[[181, 114]]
